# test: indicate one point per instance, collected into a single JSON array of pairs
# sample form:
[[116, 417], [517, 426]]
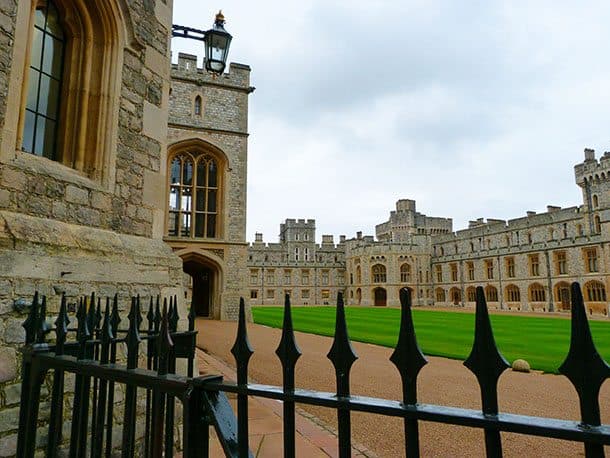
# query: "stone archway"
[[204, 284], [455, 296], [381, 297]]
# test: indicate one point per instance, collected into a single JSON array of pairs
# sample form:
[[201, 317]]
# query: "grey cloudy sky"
[[472, 108]]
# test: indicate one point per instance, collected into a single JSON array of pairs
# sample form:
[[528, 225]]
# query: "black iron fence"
[[105, 359], [93, 360]]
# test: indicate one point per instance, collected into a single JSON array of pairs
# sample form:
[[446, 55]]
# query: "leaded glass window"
[[193, 196], [44, 83]]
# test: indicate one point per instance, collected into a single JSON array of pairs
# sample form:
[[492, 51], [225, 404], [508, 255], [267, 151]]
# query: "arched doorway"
[[456, 296], [202, 286], [380, 297]]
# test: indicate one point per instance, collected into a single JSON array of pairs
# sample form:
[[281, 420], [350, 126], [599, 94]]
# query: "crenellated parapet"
[[238, 76], [592, 169]]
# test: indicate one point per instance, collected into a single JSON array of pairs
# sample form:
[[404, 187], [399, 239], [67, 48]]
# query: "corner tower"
[[593, 177]]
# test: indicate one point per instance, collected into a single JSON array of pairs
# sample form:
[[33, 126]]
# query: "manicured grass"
[[542, 341]]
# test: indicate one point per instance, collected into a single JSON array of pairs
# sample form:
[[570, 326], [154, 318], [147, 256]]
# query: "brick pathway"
[[313, 438]]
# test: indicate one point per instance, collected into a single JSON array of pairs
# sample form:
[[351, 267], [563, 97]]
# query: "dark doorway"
[[202, 287], [380, 297], [456, 296]]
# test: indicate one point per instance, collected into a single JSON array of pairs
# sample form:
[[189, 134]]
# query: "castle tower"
[[206, 188], [299, 236], [593, 177]]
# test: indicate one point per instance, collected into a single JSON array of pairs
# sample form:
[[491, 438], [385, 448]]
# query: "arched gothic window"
[[405, 273], [513, 294], [379, 273], [471, 294], [595, 291], [440, 295], [537, 293], [198, 105], [358, 275], [194, 192], [491, 293], [44, 82]]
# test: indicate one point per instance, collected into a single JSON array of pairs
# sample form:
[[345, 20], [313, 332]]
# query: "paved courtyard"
[[442, 381]]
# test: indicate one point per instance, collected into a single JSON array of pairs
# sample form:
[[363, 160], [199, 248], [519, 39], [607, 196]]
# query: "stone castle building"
[[308, 272], [524, 264]]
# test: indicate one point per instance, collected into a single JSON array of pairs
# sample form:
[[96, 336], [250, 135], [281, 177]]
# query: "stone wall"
[[74, 231]]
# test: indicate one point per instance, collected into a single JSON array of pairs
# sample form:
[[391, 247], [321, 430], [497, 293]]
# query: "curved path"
[[442, 381]]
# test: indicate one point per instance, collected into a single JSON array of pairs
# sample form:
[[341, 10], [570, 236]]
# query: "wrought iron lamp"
[[216, 41]]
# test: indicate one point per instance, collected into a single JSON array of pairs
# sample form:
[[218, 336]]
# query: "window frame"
[[591, 260], [379, 273], [198, 149], [536, 293], [98, 34]]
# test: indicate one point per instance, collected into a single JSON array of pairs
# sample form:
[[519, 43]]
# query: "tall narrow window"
[[439, 273], [591, 260], [325, 277], [470, 268], [534, 265], [193, 196], [405, 273], [68, 112], [44, 83], [598, 224], [198, 105], [454, 272], [561, 263], [489, 267], [510, 267]]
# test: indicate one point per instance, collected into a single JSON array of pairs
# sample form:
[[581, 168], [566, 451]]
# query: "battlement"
[[592, 169], [299, 223], [482, 227], [404, 205], [238, 75]]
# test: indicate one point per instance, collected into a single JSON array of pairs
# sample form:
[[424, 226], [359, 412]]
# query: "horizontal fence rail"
[[583, 366], [93, 362], [104, 359]]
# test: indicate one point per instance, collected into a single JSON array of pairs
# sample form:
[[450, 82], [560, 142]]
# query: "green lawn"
[[543, 342]]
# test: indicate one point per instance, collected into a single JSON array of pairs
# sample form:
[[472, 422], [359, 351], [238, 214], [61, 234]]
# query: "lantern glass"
[[217, 42]]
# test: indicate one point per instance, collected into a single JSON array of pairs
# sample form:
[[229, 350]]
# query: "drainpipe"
[[549, 281], [502, 305], [461, 264]]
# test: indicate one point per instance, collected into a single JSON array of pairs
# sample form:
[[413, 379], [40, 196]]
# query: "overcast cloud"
[[474, 109]]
